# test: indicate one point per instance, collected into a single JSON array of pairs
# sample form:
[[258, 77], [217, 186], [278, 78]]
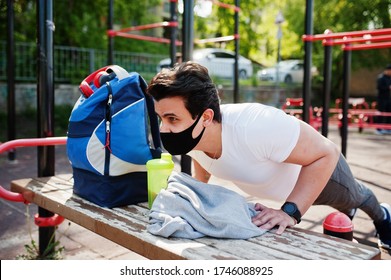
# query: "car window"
[[298, 66], [223, 55]]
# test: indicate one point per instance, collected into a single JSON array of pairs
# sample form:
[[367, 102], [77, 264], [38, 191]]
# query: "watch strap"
[[292, 210]]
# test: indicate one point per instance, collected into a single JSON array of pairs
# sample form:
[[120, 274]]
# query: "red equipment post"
[[46, 221]]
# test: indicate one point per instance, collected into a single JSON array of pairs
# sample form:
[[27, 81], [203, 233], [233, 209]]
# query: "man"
[[264, 151], [384, 97]]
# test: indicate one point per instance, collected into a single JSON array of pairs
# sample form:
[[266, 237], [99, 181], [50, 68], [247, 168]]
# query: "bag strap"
[[152, 119], [120, 72]]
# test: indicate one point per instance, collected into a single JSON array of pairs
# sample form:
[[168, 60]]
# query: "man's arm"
[[200, 173], [318, 157]]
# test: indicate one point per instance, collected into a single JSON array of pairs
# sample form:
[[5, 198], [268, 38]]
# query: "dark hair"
[[190, 81]]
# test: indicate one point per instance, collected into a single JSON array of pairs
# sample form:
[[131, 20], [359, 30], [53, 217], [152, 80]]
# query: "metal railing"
[[72, 64]]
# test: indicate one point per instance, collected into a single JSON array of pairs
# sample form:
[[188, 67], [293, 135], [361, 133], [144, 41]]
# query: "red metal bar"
[[368, 39], [144, 38], [226, 6], [366, 46], [52, 221], [340, 35], [150, 26], [217, 39], [49, 141], [29, 142], [123, 32], [168, 41], [11, 196]]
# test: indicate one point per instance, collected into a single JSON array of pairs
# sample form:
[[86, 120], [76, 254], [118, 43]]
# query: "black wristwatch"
[[291, 209]]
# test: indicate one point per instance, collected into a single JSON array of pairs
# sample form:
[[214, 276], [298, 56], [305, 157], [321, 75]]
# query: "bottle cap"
[[166, 156], [165, 162]]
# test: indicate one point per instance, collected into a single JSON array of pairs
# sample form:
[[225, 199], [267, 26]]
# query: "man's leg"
[[345, 193]]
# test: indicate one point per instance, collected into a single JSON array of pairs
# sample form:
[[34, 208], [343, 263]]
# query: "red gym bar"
[[226, 6], [367, 46], [144, 27], [330, 35], [363, 39]]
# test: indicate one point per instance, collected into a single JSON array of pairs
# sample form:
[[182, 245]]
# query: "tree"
[[83, 23]]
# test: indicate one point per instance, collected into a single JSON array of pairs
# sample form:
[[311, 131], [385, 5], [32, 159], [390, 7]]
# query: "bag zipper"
[[108, 129]]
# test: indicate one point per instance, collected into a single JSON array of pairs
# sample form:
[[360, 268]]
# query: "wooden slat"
[[126, 226]]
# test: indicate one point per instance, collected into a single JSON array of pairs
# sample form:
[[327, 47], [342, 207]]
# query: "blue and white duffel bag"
[[109, 138]]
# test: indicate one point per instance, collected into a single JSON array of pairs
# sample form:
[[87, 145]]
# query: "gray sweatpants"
[[344, 193]]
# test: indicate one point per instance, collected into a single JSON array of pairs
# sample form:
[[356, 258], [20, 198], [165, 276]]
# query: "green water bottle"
[[158, 171]]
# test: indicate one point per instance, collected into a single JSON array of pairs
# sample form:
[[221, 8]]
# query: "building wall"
[[363, 82]]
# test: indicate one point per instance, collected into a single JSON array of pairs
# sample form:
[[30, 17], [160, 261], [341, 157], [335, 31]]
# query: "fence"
[[72, 64]]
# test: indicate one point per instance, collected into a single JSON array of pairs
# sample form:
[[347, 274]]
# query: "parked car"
[[220, 63], [289, 71]]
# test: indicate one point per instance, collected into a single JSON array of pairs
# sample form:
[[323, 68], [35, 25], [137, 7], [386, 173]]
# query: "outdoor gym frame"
[[187, 34], [350, 41], [45, 81], [187, 44], [45, 78]]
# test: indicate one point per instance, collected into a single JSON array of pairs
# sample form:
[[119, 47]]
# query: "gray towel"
[[191, 209]]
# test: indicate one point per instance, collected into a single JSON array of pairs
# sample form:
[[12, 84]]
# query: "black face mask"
[[180, 143]]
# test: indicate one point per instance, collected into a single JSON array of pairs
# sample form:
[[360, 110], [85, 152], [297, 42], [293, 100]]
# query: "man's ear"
[[208, 116]]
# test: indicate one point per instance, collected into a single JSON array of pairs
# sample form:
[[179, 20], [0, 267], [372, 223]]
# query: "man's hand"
[[268, 218]]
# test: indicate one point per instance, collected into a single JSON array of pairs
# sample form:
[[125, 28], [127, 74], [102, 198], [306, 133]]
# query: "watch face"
[[289, 208]]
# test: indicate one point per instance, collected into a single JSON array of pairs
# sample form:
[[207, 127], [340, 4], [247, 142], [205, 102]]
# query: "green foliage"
[[61, 119], [84, 24], [52, 252], [26, 122]]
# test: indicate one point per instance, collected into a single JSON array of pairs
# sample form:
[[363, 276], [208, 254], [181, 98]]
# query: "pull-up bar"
[[339, 35], [367, 46], [350, 41], [226, 6], [364, 39], [124, 33], [174, 24]]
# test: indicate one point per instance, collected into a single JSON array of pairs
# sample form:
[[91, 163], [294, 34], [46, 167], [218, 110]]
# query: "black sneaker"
[[384, 228]]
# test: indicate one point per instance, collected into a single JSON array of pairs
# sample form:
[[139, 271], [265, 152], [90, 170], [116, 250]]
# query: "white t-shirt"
[[256, 139]]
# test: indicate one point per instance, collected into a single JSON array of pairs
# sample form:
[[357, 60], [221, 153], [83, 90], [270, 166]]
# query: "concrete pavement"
[[368, 154]]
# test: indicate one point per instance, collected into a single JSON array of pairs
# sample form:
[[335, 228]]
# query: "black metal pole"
[[110, 55], [236, 65], [173, 18], [11, 114], [307, 61], [347, 59], [45, 106], [188, 30], [326, 89], [187, 54]]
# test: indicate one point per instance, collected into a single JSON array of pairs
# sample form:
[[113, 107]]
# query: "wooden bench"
[[126, 226]]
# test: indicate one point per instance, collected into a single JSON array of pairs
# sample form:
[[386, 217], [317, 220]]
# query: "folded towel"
[[191, 209]]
